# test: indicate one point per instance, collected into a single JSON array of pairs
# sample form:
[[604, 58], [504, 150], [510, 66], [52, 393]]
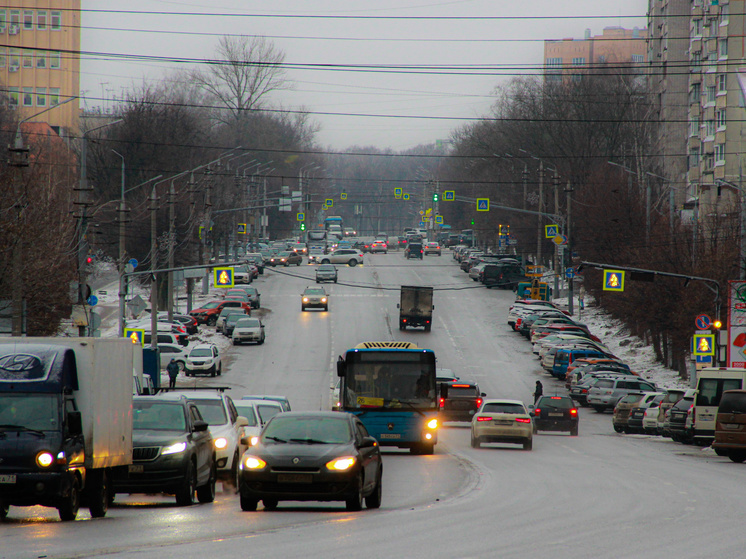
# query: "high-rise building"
[[40, 60], [569, 58]]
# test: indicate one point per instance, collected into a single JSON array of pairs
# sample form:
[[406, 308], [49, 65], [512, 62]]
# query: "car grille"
[[295, 470], [145, 453]]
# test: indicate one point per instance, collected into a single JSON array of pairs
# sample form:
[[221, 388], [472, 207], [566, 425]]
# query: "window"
[[15, 57], [56, 21], [694, 93], [694, 126], [41, 20], [710, 93], [697, 61], [28, 58], [724, 12], [15, 18], [601, 59], [722, 81], [3, 20], [28, 20], [554, 62], [580, 61], [719, 152], [54, 96], [693, 158], [13, 97], [41, 96], [3, 56], [41, 59], [697, 27], [54, 60], [637, 58], [723, 47], [711, 390], [720, 119], [710, 128], [28, 96]]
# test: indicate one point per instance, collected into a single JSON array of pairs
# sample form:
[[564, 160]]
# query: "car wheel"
[[599, 409], [297, 263], [317, 281], [335, 280], [68, 508], [326, 308], [4, 509], [261, 340], [236, 342], [325, 261], [352, 263], [574, 431], [373, 501], [181, 365], [287, 264], [98, 494], [269, 504], [212, 321], [355, 502], [212, 371], [528, 444], [303, 309], [185, 493], [618, 429], [737, 456], [475, 442], [248, 503], [206, 493]]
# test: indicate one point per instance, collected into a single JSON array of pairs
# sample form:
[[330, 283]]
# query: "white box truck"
[[65, 420]]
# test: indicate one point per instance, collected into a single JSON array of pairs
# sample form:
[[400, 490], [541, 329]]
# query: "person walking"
[[173, 371], [538, 391]]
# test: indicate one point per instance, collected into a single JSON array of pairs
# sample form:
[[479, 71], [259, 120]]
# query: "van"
[[711, 383], [564, 356], [730, 426]]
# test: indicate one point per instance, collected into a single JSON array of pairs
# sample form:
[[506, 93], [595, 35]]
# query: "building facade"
[[569, 58], [40, 60]]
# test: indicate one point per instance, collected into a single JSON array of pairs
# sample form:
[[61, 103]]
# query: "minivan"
[[605, 393], [564, 356], [730, 426], [711, 383]]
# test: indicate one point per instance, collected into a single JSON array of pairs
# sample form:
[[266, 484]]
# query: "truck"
[[65, 421], [415, 307]]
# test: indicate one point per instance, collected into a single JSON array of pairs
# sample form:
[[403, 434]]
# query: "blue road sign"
[[133, 262], [422, 223], [301, 216], [449, 195], [703, 344], [570, 273], [704, 358], [551, 231], [613, 280], [483, 204], [406, 196], [92, 300], [439, 219], [703, 322], [397, 192], [223, 277]]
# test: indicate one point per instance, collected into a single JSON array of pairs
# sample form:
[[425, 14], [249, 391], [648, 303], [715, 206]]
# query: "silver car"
[[326, 272], [606, 392], [349, 256]]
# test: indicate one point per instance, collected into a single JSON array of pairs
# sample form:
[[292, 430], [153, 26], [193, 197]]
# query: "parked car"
[[237, 293], [204, 359], [230, 324], [672, 396], [248, 330], [459, 400], [502, 421], [255, 299], [242, 274], [209, 312], [314, 298], [605, 393], [342, 462], [432, 248], [172, 451], [637, 413], [730, 426], [227, 429], [189, 323], [257, 259], [623, 409], [350, 256], [677, 419], [326, 272], [555, 413], [165, 338], [224, 314], [173, 351]]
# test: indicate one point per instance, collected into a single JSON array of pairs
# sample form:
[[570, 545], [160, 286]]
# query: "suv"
[[605, 393], [227, 428], [208, 313], [503, 275], [172, 451], [677, 417], [555, 413], [459, 400], [224, 314], [349, 256], [314, 298], [730, 426], [326, 272], [414, 250], [203, 359]]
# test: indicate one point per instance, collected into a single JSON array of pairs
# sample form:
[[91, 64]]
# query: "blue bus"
[[391, 387]]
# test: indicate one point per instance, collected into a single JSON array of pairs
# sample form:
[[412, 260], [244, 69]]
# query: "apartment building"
[[40, 60], [569, 58]]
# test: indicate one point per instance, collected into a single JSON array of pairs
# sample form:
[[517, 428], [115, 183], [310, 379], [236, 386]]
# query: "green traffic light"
[[302, 226], [435, 197]]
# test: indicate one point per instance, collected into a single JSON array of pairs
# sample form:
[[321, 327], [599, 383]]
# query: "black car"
[[555, 413], [414, 250], [459, 400], [504, 275], [312, 456], [172, 451], [677, 420]]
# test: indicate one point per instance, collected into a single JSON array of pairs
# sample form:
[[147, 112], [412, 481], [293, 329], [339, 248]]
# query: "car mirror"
[[201, 426], [246, 441], [241, 421], [483, 394], [368, 442]]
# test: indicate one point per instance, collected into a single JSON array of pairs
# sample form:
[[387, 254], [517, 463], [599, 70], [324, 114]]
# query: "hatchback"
[[502, 421], [555, 413]]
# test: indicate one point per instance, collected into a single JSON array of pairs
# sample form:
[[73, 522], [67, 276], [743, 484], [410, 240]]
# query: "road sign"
[[223, 277], [329, 203], [551, 231], [300, 216], [559, 240], [398, 192], [195, 273], [613, 280], [483, 204], [703, 322], [570, 273], [449, 195], [343, 196], [405, 196], [323, 207], [703, 344], [92, 301], [136, 305], [422, 223], [136, 335], [201, 230], [133, 262], [241, 229], [439, 219]]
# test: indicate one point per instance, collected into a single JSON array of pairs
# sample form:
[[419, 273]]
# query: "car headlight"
[[250, 462], [44, 459], [432, 424], [323, 299], [221, 442], [305, 299], [341, 464], [253, 440], [175, 448]]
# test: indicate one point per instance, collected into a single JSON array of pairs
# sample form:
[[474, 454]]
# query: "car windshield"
[[312, 430], [159, 416], [315, 292], [211, 305], [212, 411], [326, 268], [201, 352], [234, 318], [250, 290], [503, 408], [284, 253], [556, 402], [247, 412], [248, 323], [230, 310], [242, 269], [267, 411]]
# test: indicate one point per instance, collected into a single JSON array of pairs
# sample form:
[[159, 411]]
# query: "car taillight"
[[573, 411], [523, 420], [484, 418], [479, 402], [537, 411], [442, 402], [584, 391]]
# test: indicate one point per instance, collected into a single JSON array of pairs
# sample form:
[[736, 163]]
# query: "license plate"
[[136, 468], [707, 417], [390, 436], [10, 478], [503, 422], [294, 478], [731, 426], [556, 415]]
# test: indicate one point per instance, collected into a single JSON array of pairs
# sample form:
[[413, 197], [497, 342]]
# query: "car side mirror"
[[368, 442], [74, 423], [200, 426], [341, 367], [483, 394], [241, 421]]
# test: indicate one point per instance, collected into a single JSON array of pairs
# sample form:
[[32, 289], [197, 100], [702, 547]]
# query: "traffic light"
[[472, 222], [302, 226], [435, 197]]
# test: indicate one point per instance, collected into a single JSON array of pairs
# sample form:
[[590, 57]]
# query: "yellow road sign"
[[613, 280], [704, 344], [223, 277], [136, 335]]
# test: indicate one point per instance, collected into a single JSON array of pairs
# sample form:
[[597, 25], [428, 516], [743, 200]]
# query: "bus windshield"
[[390, 379]]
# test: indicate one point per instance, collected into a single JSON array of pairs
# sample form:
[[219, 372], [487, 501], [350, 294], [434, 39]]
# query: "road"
[[596, 495]]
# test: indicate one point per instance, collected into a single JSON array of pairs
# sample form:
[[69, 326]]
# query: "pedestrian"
[[538, 392], [173, 372]]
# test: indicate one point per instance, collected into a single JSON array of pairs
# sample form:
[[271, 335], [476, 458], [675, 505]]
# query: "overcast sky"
[[508, 46]]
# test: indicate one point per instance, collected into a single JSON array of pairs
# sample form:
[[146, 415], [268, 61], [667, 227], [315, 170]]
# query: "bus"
[[467, 237], [391, 387], [333, 220]]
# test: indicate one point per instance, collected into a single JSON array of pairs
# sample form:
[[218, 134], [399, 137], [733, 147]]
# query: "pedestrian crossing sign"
[[223, 277], [449, 195], [613, 280], [329, 202], [343, 196], [483, 204], [136, 335], [301, 216], [439, 219], [551, 231], [397, 192], [241, 229], [704, 344]]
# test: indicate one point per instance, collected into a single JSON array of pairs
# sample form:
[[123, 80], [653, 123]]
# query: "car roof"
[[205, 395], [502, 401], [203, 346]]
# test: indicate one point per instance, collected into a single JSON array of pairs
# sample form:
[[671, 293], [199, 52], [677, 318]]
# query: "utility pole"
[[541, 210], [206, 231], [153, 266], [171, 243], [524, 175], [19, 158], [557, 262], [264, 210], [570, 294]]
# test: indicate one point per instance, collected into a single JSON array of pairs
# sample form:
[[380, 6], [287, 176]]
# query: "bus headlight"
[[432, 424]]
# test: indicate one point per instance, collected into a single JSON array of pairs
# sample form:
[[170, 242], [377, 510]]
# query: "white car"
[[204, 359], [502, 421], [315, 255], [227, 429], [248, 330], [173, 351], [349, 256]]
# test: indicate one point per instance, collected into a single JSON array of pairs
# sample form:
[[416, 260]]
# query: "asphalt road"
[[596, 495]]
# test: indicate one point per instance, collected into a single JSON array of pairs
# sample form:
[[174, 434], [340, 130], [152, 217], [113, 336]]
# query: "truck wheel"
[[98, 495], [68, 508], [737, 457], [185, 493], [352, 263], [206, 493], [427, 327]]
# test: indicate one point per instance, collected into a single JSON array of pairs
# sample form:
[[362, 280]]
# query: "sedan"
[[379, 246], [432, 248], [502, 421], [314, 298], [286, 258], [555, 413], [349, 256], [312, 456], [326, 272], [248, 330]]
